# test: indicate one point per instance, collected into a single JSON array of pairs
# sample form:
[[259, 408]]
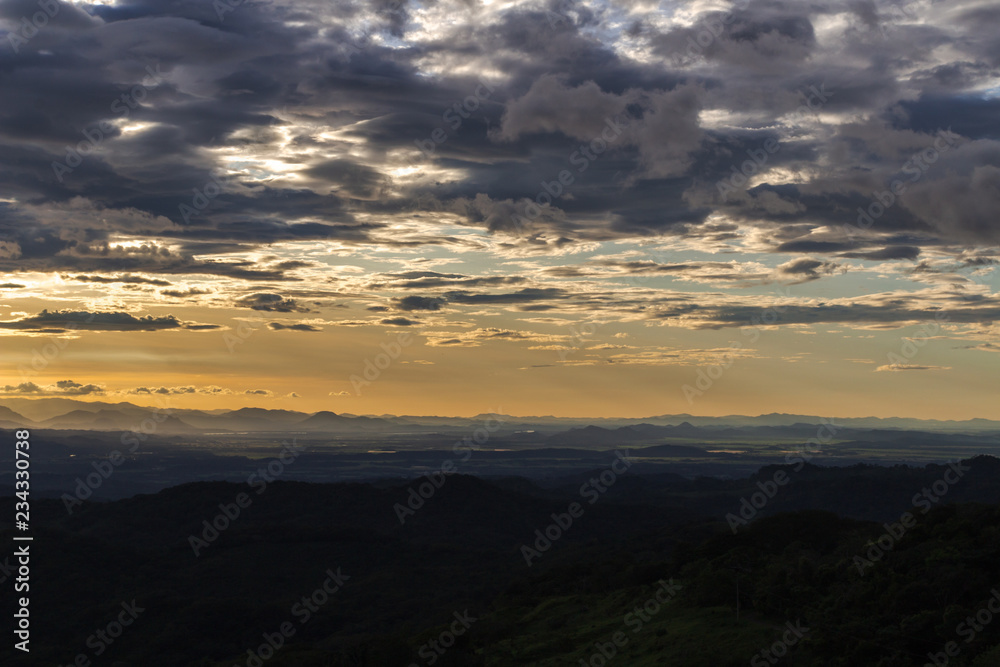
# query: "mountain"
[[287, 416], [13, 420], [543, 586], [331, 421], [41, 409], [252, 419], [116, 421], [76, 419], [244, 419]]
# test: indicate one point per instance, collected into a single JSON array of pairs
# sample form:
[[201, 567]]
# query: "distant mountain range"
[[72, 414]]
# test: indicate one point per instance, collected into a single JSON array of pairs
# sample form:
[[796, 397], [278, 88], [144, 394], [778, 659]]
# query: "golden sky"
[[619, 209]]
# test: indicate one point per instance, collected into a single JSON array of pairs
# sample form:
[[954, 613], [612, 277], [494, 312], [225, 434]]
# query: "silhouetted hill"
[[461, 547]]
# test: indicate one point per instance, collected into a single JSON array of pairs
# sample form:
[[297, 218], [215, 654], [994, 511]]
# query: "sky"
[[456, 207]]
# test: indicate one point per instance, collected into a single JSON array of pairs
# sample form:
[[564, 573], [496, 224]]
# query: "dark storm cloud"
[[310, 77], [357, 180]]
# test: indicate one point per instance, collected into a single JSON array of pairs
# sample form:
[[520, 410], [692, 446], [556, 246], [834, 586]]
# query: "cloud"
[[526, 295], [210, 390], [329, 181], [889, 252], [327, 197], [430, 279], [662, 124], [410, 303], [128, 279], [656, 356], [882, 310], [735, 273], [477, 337], [350, 178], [911, 367], [278, 326], [180, 294], [807, 268], [60, 388], [986, 347], [271, 302], [550, 105], [164, 391], [61, 321]]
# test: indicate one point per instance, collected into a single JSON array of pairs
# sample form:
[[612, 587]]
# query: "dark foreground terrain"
[[861, 565]]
